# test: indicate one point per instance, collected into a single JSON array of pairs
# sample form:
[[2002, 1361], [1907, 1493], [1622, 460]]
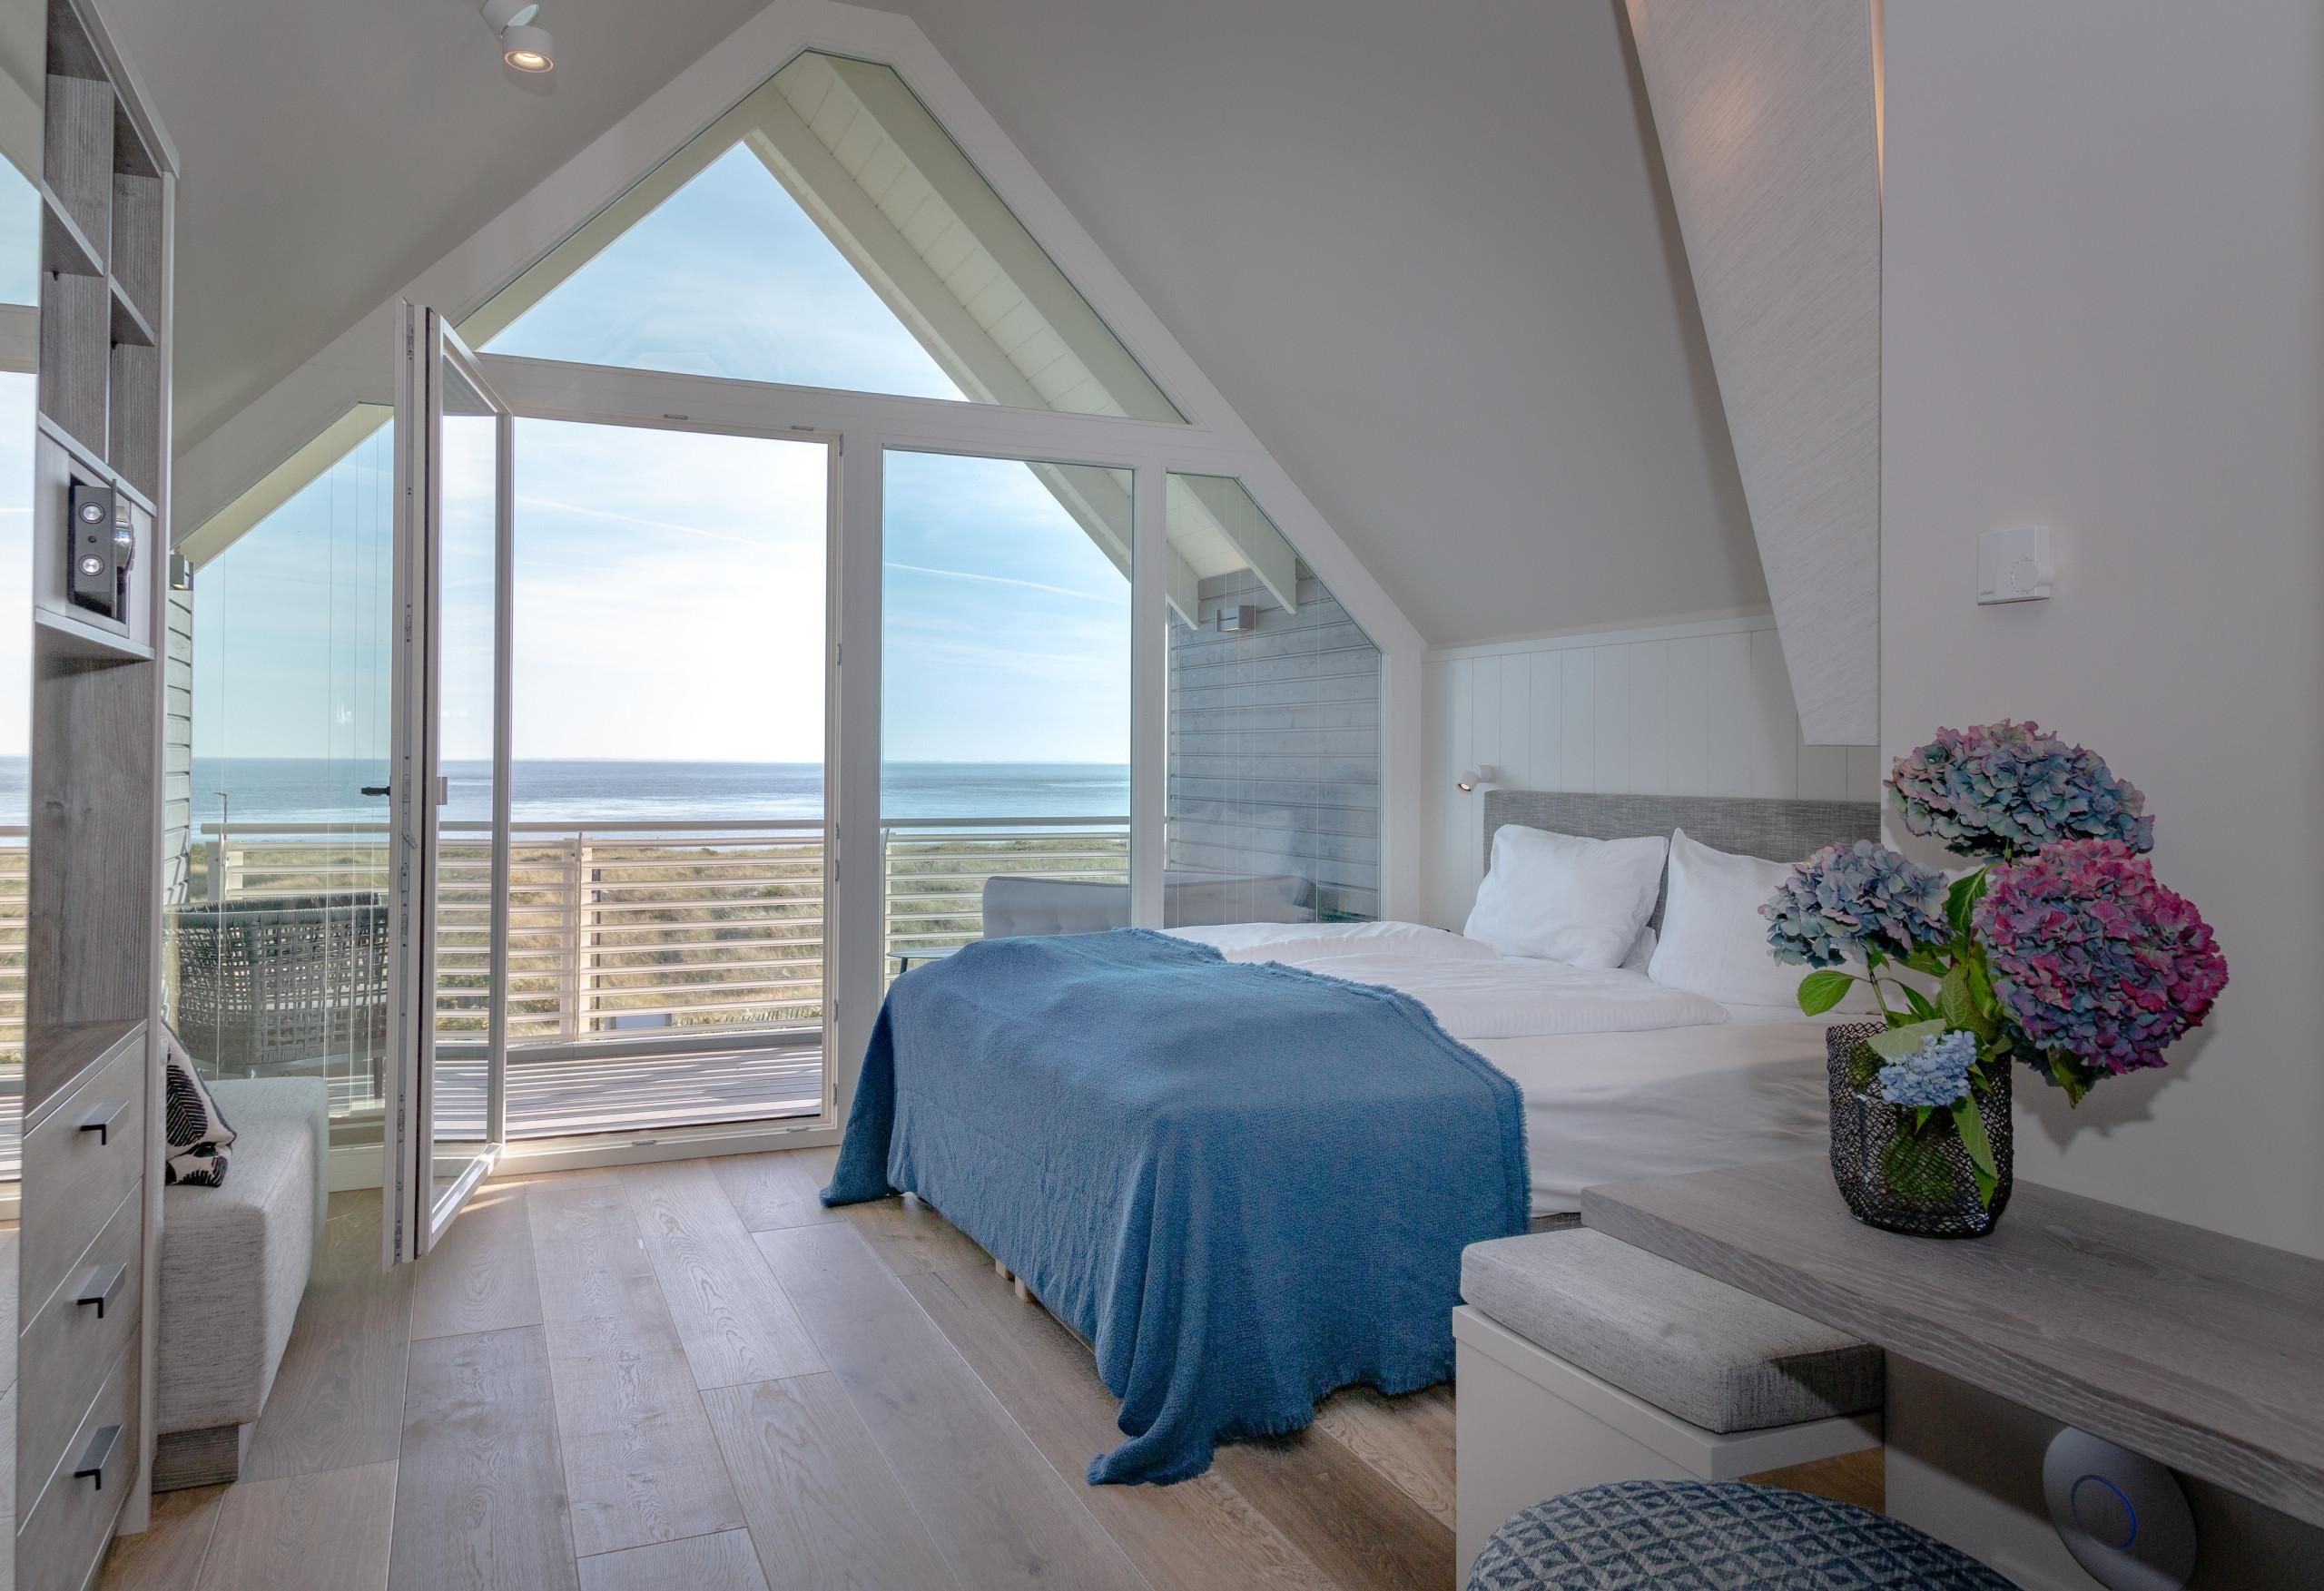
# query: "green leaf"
[[1916, 1169], [1981, 988], [1820, 991], [1863, 1066], [1919, 1003], [1961, 901], [1899, 1042], [2069, 1077], [1956, 1001], [1928, 958], [1972, 1128]]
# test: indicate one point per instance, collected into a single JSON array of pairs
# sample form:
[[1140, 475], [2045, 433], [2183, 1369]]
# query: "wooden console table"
[[2203, 1351]]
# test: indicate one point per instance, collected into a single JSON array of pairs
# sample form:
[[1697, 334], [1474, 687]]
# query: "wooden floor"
[[692, 1375]]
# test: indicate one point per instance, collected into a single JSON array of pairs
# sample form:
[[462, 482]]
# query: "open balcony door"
[[449, 934]]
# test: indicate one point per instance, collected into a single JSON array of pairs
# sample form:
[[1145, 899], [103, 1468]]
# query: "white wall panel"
[[1689, 710]]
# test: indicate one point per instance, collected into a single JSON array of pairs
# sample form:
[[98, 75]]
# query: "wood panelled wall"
[[1274, 744], [1701, 709]]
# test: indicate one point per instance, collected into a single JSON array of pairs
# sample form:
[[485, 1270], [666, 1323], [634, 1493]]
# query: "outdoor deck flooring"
[[635, 1094]]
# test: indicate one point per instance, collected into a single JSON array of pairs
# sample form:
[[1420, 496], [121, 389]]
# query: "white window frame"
[[862, 426]]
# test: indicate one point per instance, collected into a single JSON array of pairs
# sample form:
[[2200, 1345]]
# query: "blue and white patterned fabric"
[[1696, 1535]]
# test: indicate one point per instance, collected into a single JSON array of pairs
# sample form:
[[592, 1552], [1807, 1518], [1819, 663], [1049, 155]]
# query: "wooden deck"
[[635, 1094]]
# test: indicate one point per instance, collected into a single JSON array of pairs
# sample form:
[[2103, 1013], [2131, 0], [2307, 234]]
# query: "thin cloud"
[[1007, 580]]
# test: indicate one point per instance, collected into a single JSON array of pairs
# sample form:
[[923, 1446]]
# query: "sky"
[[669, 587]]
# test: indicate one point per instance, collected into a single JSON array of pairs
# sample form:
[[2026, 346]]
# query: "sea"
[[251, 793]]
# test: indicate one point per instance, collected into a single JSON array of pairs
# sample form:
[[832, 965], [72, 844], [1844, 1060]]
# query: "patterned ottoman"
[[1700, 1536]]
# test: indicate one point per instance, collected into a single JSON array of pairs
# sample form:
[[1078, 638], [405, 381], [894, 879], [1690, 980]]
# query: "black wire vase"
[[1920, 1183]]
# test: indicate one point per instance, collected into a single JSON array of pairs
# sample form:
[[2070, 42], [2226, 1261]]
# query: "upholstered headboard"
[[1761, 826]]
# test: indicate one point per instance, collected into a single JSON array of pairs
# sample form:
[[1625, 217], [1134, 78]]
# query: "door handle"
[[99, 1286], [375, 789], [97, 1455]]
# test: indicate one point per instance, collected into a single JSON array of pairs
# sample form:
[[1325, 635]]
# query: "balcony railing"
[[13, 853], [624, 932]]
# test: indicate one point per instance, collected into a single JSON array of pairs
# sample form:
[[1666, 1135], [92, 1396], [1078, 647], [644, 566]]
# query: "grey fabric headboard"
[[1761, 826]]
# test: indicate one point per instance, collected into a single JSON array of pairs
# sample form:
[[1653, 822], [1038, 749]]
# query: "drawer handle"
[[99, 1286], [98, 1454], [100, 1120]]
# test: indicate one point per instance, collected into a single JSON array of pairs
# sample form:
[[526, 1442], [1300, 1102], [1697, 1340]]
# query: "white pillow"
[[1641, 954], [1565, 899], [1714, 940]]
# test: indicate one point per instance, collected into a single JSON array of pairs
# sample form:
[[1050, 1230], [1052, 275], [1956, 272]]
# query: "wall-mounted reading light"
[[524, 46], [1478, 777]]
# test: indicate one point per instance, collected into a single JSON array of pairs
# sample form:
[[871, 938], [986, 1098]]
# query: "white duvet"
[[1471, 989], [1622, 1077]]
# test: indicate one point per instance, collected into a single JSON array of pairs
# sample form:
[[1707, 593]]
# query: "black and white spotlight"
[[523, 43]]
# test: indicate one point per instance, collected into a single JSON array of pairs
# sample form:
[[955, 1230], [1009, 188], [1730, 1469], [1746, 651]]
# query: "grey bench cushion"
[[236, 1257], [1709, 1353]]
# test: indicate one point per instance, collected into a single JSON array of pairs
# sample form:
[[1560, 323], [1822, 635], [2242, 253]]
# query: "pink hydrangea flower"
[[2098, 965]]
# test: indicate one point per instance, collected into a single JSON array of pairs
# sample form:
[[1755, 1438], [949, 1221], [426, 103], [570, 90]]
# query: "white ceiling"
[[1425, 251], [331, 150]]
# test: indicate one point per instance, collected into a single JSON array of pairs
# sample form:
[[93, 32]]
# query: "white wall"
[[2105, 310], [1698, 708]]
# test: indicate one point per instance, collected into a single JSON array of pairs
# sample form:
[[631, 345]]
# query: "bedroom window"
[[825, 232], [279, 723], [1273, 783], [1005, 678]]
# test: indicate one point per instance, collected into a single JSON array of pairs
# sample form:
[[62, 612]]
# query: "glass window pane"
[[19, 238], [825, 232], [468, 462], [1006, 700], [1273, 804], [277, 960], [666, 937]]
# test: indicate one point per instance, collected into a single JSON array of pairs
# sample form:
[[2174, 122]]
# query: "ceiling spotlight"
[[528, 48], [523, 46]]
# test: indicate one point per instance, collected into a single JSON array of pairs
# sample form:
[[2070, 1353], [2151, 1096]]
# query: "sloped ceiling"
[[1426, 253], [1426, 250], [1767, 112], [330, 150]]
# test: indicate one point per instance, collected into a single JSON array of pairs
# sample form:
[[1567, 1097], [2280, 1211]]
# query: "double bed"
[[1242, 1161]]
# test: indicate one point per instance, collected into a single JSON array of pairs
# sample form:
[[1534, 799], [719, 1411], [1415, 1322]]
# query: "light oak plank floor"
[[693, 1375]]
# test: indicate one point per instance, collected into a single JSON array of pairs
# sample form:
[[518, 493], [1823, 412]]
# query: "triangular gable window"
[[825, 232]]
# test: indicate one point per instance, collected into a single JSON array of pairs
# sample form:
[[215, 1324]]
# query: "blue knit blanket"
[[1246, 1185]]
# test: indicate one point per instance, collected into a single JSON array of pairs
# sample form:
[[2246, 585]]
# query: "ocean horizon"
[[260, 790]]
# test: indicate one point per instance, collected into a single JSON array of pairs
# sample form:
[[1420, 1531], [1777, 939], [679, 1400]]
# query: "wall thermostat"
[[2121, 1513], [2014, 565]]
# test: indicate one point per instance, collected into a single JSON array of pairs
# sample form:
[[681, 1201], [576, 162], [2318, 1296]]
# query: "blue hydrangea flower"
[[1937, 1073], [1848, 898], [2007, 790]]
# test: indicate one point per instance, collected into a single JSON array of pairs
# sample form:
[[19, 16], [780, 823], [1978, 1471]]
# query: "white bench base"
[[1529, 1425]]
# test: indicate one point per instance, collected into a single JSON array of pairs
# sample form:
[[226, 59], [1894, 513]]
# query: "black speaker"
[[99, 547]]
